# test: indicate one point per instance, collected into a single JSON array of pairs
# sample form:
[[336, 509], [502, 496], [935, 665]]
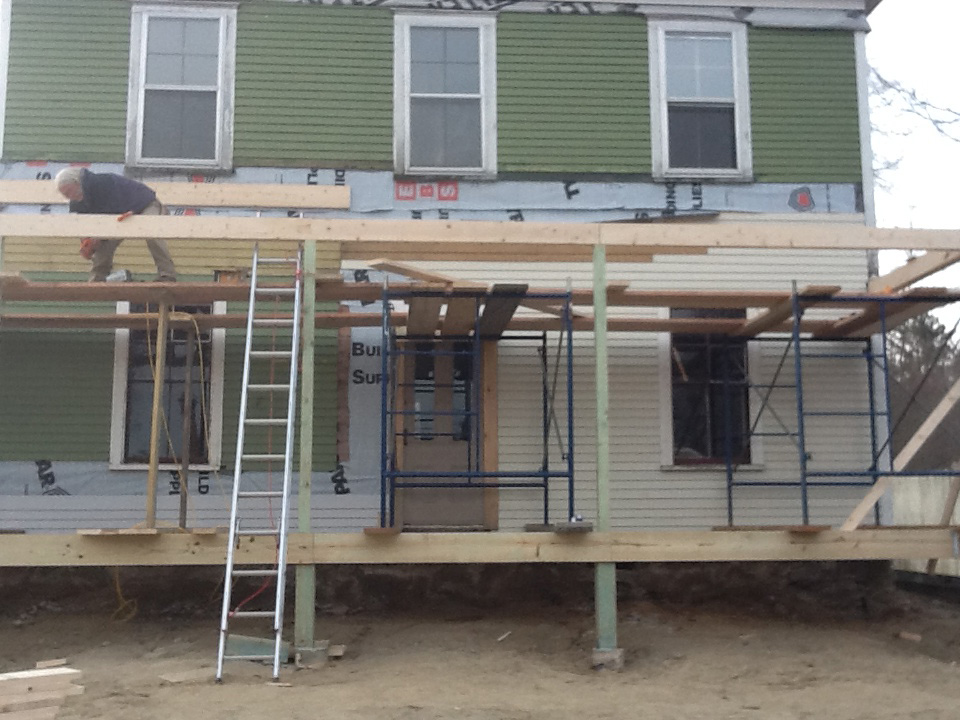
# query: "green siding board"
[[55, 405], [314, 84], [66, 88], [572, 94], [804, 114]]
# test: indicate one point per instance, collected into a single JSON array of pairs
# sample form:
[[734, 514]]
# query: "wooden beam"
[[489, 416], [191, 194], [784, 309], [907, 453], [415, 273], [434, 239], [424, 315], [946, 515], [178, 549], [867, 322], [159, 373], [916, 268], [498, 309], [460, 317]]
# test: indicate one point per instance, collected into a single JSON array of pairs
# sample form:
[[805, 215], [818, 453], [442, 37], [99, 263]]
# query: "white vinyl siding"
[[180, 103]]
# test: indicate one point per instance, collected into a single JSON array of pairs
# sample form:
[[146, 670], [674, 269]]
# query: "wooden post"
[[186, 435], [159, 369], [306, 588], [606, 652]]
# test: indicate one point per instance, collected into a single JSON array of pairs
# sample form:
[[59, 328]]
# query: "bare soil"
[[705, 661]]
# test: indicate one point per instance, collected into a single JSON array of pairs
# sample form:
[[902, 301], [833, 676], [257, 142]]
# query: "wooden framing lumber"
[[179, 549], [909, 451], [784, 309], [460, 316], [198, 195], [461, 240], [868, 321], [14, 684], [424, 315], [916, 269], [498, 309]]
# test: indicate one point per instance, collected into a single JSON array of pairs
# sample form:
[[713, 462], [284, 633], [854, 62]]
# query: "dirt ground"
[[511, 663]]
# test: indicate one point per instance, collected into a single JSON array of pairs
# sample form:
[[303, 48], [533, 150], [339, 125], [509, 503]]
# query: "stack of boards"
[[36, 694]]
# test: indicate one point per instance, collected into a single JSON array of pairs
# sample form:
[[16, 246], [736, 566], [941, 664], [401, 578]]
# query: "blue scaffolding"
[[874, 351], [394, 346]]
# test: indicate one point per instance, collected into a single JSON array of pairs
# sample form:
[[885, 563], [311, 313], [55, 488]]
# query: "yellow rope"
[[126, 609]]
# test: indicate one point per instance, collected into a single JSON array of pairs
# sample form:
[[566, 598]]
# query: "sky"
[[915, 42]]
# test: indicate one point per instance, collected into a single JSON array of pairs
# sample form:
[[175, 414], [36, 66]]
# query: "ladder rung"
[[253, 613], [248, 657], [258, 531], [263, 457], [260, 493], [274, 322], [276, 290], [276, 261], [269, 353], [261, 572], [266, 421], [268, 387]]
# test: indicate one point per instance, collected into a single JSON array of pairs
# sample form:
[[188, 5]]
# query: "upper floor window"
[[180, 106], [700, 100], [445, 95]]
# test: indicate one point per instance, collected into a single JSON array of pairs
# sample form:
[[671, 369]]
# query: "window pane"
[[164, 69], [202, 36], [699, 65], [179, 124], [445, 133], [165, 35], [200, 70], [702, 136], [445, 60]]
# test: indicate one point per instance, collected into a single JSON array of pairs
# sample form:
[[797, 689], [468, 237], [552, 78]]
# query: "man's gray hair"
[[69, 176]]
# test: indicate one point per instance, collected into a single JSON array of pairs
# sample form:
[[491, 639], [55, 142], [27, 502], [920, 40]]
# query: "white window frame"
[[754, 359], [118, 418], [488, 92], [5, 12], [659, 124], [140, 16]]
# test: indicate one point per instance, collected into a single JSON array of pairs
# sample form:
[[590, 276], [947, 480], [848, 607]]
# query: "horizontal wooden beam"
[[45, 550], [442, 239], [200, 195], [784, 309], [916, 269]]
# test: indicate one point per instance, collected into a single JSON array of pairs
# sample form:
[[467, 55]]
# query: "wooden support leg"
[[160, 368], [306, 589], [187, 421], [606, 653]]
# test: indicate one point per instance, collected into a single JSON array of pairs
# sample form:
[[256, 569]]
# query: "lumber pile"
[[36, 694]]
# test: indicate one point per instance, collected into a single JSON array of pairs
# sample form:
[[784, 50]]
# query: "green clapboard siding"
[[803, 105], [67, 84], [55, 404], [572, 94], [314, 86]]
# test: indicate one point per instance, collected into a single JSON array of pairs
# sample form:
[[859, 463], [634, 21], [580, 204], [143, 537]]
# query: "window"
[[445, 95], [133, 395], [180, 105], [700, 104], [709, 394]]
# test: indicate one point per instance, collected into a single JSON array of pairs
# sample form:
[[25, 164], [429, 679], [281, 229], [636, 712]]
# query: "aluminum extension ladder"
[[261, 345]]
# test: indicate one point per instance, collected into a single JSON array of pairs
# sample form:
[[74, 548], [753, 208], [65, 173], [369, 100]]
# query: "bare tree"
[[897, 96]]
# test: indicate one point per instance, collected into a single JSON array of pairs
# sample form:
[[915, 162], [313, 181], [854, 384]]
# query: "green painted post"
[[605, 579], [306, 591]]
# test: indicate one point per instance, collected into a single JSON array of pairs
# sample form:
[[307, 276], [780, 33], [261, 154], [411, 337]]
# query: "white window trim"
[[118, 419], [488, 89], [754, 358], [140, 14], [5, 7], [657, 30]]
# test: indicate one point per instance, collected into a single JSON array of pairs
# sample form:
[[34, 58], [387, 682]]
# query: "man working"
[[110, 194]]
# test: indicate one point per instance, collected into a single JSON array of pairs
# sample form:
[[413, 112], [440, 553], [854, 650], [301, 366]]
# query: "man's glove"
[[88, 246]]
